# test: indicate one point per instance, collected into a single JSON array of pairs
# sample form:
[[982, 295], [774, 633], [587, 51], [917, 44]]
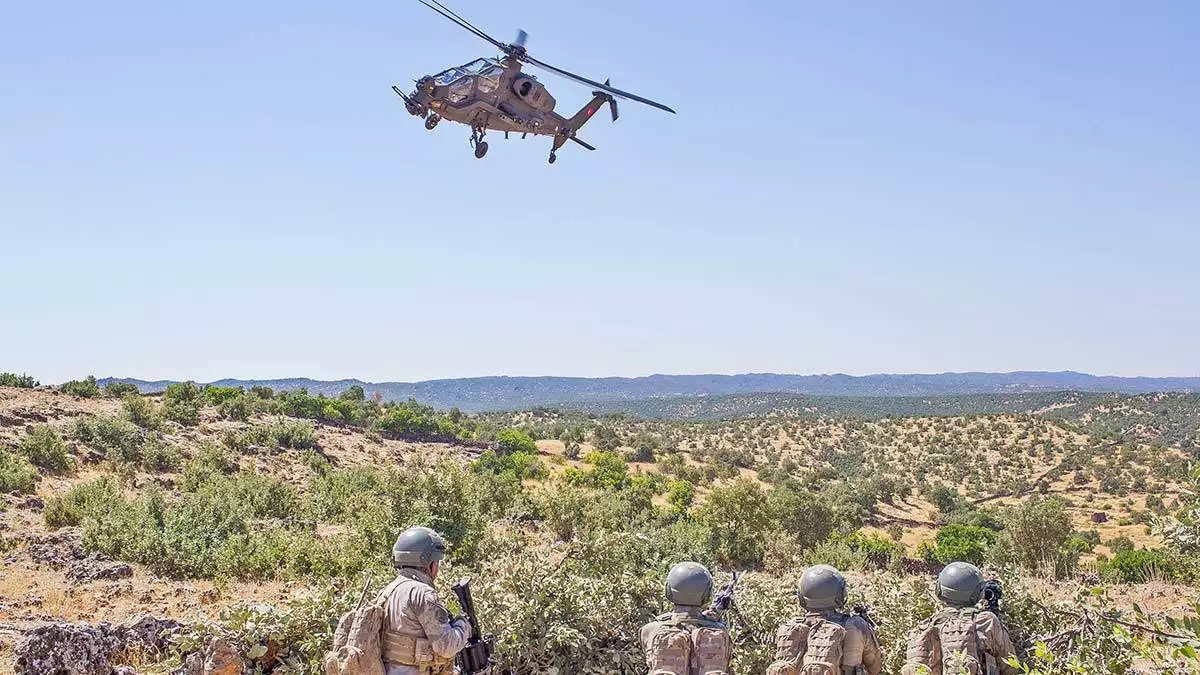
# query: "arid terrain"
[[888, 483]]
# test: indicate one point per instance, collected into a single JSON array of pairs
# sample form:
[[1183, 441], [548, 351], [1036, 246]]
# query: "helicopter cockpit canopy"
[[476, 67]]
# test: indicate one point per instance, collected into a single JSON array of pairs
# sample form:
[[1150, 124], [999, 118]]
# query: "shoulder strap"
[[385, 595]]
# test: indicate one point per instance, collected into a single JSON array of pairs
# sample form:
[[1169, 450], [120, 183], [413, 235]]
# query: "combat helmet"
[[822, 588], [689, 584], [418, 547], [960, 584]]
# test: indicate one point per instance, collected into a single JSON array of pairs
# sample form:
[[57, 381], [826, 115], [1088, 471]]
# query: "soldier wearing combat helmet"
[[961, 631], [419, 635], [687, 639], [825, 640]]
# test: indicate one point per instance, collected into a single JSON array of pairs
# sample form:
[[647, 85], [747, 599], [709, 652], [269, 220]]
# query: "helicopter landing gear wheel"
[[432, 121], [553, 157], [480, 145]]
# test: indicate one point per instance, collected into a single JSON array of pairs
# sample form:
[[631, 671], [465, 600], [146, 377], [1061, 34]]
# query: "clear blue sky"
[[201, 190]]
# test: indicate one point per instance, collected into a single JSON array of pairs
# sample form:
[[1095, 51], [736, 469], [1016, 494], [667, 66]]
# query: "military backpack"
[[689, 646]]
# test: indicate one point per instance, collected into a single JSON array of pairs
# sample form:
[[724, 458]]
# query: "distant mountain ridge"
[[493, 393]]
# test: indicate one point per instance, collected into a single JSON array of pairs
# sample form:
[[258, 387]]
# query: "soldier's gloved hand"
[[464, 624]]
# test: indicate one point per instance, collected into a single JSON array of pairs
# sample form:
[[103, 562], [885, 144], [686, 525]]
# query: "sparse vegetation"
[[44, 448], [17, 475], [85, 388], [117, 389], [538, 531], [13, 380]]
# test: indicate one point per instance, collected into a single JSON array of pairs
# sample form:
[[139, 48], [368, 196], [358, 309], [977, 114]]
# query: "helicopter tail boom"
[[585, 113]]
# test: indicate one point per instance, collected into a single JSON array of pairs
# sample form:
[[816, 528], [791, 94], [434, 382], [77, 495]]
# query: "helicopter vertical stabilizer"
[[585, 113]]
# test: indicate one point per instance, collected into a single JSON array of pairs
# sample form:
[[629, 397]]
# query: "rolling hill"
[[480, 394]]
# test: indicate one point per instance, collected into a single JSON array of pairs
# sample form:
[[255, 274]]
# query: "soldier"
[[687, 639], [419, 636], [976, 635], [825, 641]]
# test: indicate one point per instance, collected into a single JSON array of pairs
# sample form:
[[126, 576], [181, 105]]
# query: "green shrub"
[[292, 434], [1038, 528], [609, 471], [22, 381], [1121, 543], [216, 395], [142, 411], [82, 501], [117, 389], [182, 412], [238, 408], [739, 523], [680, 494], [515, 440], [295, 435], [1136, 566], [160, 457], [800, 516], [120, 440], [17, 475], [86, 388], [955, 542], [183, 392], [409, 419], [45, 449], [521, 465]]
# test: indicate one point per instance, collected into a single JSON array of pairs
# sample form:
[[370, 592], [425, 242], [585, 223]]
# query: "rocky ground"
[[62, 600]]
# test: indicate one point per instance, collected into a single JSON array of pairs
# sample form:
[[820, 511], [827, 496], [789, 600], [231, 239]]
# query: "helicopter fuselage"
[[490, 95]]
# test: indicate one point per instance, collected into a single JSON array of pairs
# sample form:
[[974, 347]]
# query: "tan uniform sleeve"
[[872, 656], [996, 641], [446, 638]]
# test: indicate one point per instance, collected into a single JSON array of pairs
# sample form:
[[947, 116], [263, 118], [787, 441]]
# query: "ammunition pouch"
[[409, 650]]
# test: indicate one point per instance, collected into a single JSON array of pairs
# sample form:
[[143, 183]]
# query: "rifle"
[[477, 655], [864, 611], [724, 598], [992, 593]]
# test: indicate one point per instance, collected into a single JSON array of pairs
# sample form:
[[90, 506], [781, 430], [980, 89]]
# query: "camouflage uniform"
[[419, 637], [690, 618], [993, 640], [962, 627], [687, 640], [860, 647]]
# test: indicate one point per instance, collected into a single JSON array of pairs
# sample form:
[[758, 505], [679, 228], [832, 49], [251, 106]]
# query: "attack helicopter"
[[493, 94]]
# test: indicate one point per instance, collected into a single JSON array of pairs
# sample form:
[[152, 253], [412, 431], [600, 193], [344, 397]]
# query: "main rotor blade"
[[604, 87], [446, 12]]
